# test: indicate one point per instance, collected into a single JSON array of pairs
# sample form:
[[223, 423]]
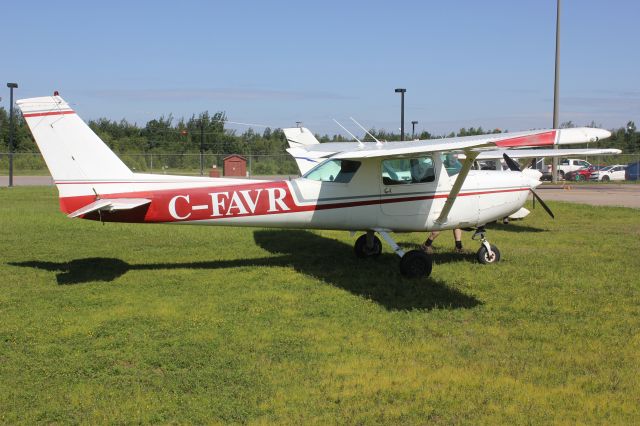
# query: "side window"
[[564, 162], [451, 164], [341, 171], [408, 170]]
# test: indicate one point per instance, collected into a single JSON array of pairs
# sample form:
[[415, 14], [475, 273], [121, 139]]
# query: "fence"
[[30, 163]]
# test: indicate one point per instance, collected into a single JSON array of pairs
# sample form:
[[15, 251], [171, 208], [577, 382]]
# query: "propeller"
[[513, 165]]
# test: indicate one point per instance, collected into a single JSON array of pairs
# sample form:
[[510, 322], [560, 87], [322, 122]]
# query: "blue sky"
[[463, 63]]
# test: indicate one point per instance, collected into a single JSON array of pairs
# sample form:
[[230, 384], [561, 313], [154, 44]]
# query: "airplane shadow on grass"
[[513, 226], [329, 260]]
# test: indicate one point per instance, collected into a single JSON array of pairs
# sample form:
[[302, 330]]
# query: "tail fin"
[[72, 151], [299, 136]]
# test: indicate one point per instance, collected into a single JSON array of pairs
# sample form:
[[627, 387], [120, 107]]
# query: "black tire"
[[561, 174], [605, 178], [416, 264], [361, 249], [483, 255]]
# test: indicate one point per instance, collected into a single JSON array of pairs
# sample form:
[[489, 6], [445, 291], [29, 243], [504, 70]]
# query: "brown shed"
[[235, 165]]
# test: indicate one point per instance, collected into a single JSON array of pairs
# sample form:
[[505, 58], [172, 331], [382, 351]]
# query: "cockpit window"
[[341, 171], [451, 164], [408, 170]]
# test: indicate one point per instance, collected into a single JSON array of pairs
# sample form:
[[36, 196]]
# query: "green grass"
[[122, 323]]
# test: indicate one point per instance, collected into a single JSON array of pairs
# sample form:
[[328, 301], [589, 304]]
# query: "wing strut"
[[457, 185]]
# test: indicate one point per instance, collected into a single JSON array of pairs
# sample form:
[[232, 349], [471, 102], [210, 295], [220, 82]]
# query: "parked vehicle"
[[581, 174], [567, 165], [632, 171], [608, 173], [546, 176]]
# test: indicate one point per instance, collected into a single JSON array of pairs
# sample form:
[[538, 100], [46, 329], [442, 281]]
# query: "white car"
[[609, 173]]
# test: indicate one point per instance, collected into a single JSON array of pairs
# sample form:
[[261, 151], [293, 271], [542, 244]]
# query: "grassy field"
[[125, 323]]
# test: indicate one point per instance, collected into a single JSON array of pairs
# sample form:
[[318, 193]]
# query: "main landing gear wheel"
[[413, 264], [364, 248], [416, 264], [484, 257]]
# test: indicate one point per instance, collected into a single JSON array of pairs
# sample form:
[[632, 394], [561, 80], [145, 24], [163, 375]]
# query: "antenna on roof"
[[360, 144], [378, 143]]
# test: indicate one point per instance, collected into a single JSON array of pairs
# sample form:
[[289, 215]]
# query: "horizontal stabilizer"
[[110, 205]]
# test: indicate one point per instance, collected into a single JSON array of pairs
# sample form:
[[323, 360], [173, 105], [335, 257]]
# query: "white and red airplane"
[[371, 187]]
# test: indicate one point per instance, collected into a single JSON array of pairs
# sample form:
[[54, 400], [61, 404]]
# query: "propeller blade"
[[511, 163], [514, 166], [542, 203]]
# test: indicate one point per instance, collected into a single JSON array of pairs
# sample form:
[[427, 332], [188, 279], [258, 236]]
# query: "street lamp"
[[402, 92], [413, 129], [11, 86]]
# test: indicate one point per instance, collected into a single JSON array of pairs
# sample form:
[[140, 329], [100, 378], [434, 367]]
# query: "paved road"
[[625, 195], [27, 180]]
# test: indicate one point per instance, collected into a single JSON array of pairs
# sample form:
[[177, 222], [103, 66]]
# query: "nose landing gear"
[[488, 253]]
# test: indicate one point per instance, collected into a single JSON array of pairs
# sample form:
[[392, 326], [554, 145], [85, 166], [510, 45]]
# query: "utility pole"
[[556, 89], [402, 92], [413, 129], [11, 86]]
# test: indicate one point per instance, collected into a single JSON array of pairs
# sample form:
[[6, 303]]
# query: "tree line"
[[177, 141]]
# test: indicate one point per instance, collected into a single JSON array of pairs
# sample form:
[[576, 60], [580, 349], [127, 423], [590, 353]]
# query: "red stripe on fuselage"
[[540, 139], [259, 199], [42, 114]]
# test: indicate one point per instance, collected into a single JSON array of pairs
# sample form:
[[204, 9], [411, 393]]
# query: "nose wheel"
[[488, 253]]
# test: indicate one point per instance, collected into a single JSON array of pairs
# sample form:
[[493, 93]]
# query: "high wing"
[[539, 153], [307, 152], [534, 138], [110, 205]]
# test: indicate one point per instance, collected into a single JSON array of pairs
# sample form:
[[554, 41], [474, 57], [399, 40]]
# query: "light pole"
[[11, 86], [402, 92], [413, 129], [556, 89]]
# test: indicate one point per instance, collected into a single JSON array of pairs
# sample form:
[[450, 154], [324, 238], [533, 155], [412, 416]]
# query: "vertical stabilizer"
[[72, 151], [299, 136]]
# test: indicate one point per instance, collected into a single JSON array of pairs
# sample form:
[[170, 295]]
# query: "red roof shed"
[[235, 165]]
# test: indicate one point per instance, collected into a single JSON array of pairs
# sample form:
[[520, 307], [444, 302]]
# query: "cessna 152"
[[371, 187]]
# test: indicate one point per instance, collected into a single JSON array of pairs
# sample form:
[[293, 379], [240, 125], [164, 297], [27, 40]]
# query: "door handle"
[[387, 190]]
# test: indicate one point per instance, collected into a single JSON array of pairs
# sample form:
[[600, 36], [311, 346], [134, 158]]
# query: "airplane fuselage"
[[365, 202]]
